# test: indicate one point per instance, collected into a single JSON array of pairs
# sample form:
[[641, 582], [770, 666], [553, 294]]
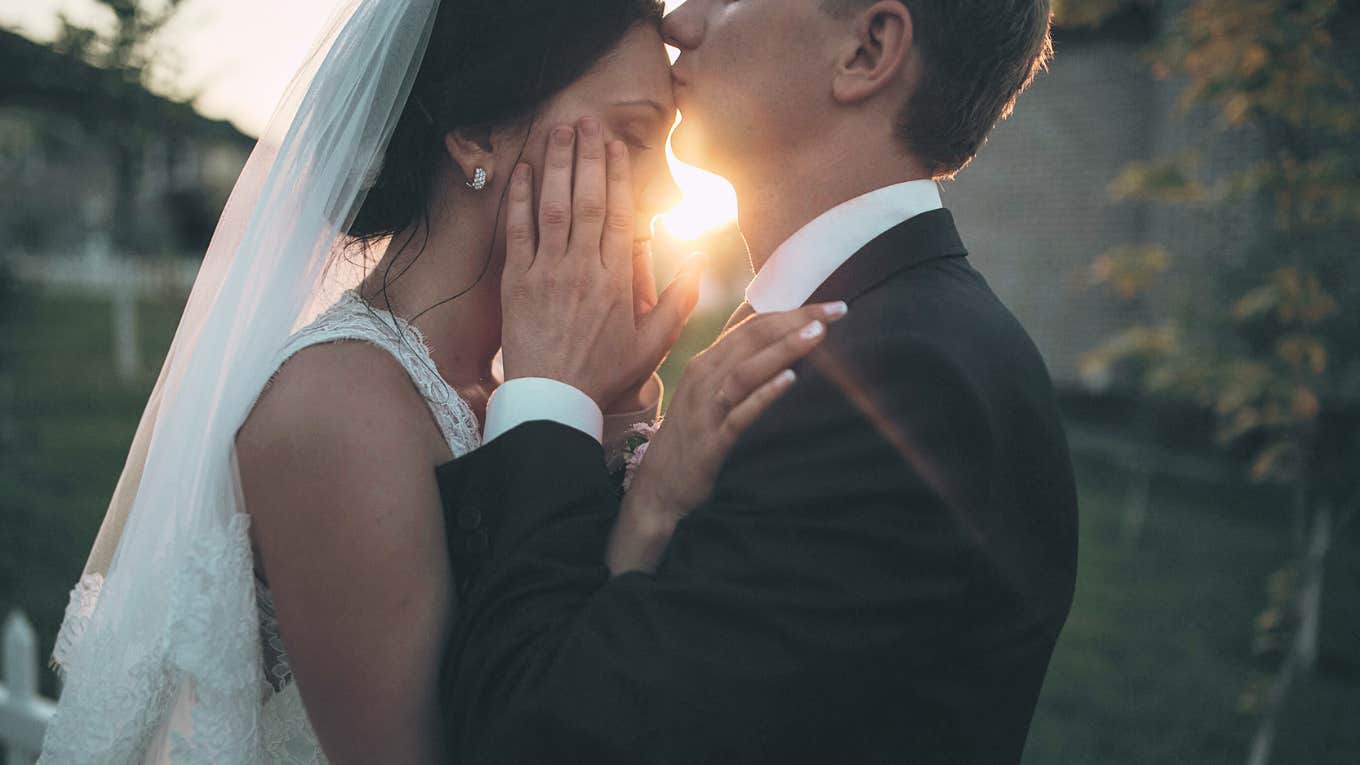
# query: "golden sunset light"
[[709, 201]]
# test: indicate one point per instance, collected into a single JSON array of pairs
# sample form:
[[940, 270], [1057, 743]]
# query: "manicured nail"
[[835, 310], [618, 150], [563, 136], [812, 331], [785, 378], [590, 127]]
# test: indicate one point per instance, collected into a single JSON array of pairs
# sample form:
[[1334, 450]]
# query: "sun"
[[708, 201]]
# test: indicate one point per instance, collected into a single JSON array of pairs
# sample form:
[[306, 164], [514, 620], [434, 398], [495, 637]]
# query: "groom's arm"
[[827, 569]]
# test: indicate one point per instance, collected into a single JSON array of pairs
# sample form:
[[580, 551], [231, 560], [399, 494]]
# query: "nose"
[[684, 26]]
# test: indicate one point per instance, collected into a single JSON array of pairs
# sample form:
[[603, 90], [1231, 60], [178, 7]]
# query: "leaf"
[[1131, 269]]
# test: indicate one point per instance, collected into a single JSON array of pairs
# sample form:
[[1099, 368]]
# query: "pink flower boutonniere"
[[630, 453]]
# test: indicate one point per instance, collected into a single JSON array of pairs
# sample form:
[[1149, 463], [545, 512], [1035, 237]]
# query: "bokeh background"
[[1172, 212]]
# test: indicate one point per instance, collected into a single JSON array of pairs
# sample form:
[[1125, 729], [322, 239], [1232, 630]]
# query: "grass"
[[1149, 670]]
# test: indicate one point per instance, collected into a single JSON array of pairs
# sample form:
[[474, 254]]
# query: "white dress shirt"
[[786, 281], [808, 258]]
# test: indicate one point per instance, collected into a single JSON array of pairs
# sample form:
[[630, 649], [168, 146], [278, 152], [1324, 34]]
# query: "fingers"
[[758, 376], [616, 247], [660, 328], [589, 197], [554, 204], [750, 372], [745, 414], [759, 332], [519, 221]]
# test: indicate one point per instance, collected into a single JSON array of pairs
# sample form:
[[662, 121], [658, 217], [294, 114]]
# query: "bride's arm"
[[336, 468]]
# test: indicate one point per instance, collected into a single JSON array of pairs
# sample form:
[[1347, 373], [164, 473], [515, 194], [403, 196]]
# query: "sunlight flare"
[[708, 201]]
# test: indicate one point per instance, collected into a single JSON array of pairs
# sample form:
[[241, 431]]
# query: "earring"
[[478, 181]]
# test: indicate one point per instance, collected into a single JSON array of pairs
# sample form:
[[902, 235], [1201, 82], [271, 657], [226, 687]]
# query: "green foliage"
[[127, 49], [1272, 355]]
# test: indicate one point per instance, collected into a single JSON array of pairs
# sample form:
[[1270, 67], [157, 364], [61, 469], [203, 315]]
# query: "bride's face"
[[629, 92]]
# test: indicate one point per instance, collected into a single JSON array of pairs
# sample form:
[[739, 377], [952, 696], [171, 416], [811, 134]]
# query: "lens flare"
[[708, 201]]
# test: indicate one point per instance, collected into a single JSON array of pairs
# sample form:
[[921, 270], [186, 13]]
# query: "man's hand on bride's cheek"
[[568, 293], [723, 392]]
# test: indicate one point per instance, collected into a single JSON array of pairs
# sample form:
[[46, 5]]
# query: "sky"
[[237, 56]]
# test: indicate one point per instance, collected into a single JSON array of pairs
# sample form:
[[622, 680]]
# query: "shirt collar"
[[800, 265]]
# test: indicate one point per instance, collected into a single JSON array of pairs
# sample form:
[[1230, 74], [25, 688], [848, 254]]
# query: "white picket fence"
[[123, 281], [23, 713]]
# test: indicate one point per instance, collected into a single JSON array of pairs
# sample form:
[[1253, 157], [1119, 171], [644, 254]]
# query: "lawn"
[[1149, 670]]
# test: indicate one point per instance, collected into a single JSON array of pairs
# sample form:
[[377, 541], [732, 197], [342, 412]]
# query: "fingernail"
[[812, 331], [521, 172], [563, 136], [785, 378], [590, 127], [618, 150], [835, 310]]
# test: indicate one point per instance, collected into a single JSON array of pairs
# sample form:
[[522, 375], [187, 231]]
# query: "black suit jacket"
[[880, 576]]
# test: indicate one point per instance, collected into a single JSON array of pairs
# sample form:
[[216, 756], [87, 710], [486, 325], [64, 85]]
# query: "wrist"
[[644, 399], [641, 534]]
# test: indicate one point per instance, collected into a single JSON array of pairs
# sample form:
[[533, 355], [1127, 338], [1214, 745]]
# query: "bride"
[[271, 582]]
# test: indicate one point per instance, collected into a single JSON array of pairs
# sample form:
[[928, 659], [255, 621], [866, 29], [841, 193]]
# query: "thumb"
[[660, 328]]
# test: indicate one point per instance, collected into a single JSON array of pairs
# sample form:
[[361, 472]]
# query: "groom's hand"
[[568, 289]]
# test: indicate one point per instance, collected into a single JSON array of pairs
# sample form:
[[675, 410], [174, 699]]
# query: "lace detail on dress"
[[118, 718], [353, 318], [84, 596]]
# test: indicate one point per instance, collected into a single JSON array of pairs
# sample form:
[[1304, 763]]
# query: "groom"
[[889, 553]]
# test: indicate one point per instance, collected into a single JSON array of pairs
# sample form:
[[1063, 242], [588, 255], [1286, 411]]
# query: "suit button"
[[469, 518], [477, 543]]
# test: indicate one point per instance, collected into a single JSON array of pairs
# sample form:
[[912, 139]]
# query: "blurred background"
[[1172, 213]]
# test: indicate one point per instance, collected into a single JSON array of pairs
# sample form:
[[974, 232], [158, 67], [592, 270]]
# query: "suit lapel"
[[921, 239]]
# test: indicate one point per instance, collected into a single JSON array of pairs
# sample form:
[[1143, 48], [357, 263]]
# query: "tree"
[[127, 60], [1272, 344]]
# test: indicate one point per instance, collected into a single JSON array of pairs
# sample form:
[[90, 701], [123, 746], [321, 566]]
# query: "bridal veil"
[[160, 647]]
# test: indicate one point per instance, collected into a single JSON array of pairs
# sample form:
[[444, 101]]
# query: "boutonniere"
[[625, 463]]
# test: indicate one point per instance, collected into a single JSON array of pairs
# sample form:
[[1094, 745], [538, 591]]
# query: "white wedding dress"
[[286, 735]]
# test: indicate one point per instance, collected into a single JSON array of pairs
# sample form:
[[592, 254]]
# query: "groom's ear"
[[470, 148], [877, 53]]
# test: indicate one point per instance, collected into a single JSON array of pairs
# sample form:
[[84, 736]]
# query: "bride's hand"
[[722, 393], [567, 292]]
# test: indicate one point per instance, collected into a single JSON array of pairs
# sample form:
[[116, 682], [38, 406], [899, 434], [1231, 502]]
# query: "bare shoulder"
[[336, 394]]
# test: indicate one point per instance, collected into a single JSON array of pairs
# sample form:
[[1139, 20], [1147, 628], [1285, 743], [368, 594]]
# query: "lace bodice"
[[288, 734]]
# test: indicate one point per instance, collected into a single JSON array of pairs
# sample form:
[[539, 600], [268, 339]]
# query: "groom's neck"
[[776, 203]]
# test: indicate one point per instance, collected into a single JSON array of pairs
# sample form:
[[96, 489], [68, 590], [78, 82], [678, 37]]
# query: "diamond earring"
[[478, 181]]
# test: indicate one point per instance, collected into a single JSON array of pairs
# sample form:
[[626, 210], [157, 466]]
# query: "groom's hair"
[[978, 56]]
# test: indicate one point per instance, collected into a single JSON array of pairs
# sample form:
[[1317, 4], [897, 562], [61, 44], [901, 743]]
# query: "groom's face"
[[752, 81]]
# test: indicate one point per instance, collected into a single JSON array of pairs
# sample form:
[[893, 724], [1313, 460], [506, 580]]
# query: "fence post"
[[23, 713], [126, 347]]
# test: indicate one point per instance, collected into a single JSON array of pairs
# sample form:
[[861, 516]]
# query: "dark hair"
[[489, 63], [978, 56]]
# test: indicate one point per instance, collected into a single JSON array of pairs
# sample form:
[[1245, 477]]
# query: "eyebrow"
[[663, 111]]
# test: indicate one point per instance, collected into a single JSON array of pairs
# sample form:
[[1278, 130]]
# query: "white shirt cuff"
[[529, 399]]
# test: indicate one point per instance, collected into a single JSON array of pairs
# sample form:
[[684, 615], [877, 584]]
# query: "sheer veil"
[[160, 647]]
